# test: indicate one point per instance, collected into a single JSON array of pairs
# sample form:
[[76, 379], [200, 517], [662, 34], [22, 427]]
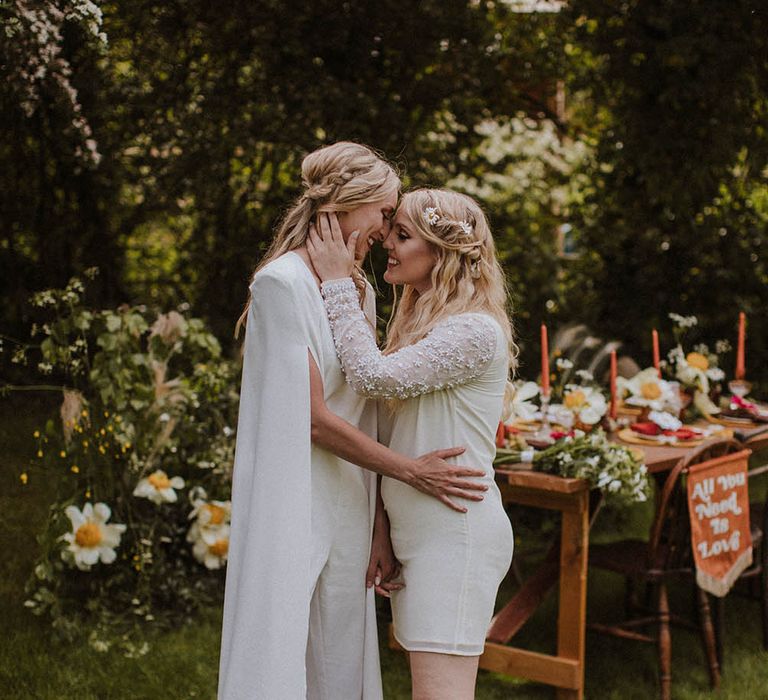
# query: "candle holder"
[[543, 434], [739, 387]]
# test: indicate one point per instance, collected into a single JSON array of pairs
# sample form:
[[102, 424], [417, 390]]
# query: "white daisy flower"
[[646, 389], [91, 539], [158, 488], [211, 546], [211, 514], [586, 403], [517, 402], [431, 216]]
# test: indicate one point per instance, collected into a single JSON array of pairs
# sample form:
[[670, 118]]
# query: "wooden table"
[[566, 563]]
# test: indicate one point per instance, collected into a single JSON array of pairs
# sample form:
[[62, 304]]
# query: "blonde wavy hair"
[[466, 277], [336, 178]]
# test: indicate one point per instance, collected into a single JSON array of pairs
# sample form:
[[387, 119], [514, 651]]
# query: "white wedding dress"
[[448, 390], [298, 620]]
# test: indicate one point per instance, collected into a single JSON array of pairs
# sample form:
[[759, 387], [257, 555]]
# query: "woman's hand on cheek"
[[330, 256]]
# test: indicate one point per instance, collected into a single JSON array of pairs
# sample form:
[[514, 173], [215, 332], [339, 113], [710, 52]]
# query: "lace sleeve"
[[456, 351]]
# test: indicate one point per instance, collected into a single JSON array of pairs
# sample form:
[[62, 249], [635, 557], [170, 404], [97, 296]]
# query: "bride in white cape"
[[299, 619]]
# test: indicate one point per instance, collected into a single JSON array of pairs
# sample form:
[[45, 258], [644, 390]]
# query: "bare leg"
[[443, 676]]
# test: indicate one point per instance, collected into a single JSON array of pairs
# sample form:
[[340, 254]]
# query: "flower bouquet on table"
[[616, 470], [698, 371], [579, 403]]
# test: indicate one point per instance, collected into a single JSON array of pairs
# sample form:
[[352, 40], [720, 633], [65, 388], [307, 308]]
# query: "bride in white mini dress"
[[443, 373]]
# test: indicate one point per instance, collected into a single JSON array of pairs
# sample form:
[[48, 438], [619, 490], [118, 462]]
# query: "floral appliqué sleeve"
[[456, 350]]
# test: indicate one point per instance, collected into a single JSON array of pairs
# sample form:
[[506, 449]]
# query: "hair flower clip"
[[464, 226], [431, 216]]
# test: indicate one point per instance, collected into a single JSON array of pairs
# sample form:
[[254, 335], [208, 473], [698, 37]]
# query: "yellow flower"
[[102, 432], [106, 414], [697, 360], [118, 419], [650, 390], [84, 413], [62, 454], [75, 469], [574, 399], [39, 453], [88, 493], [85, 443], [36, 434], [24, 478]]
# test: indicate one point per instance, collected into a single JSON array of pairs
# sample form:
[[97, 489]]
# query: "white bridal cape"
[[277, 517]]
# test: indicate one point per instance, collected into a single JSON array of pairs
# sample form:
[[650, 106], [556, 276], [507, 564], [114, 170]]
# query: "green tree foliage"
[[674, 217], [201, 115]]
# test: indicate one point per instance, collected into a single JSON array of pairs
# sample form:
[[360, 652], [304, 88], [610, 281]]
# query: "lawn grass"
[[182, 663]]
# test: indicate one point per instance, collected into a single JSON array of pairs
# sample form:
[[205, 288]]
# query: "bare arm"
[[430, 473]]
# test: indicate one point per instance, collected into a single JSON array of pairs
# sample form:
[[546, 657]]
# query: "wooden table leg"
[[571, 622]]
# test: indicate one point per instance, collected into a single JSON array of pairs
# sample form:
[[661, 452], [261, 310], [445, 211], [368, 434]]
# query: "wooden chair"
[[666, 555], [756, 576]]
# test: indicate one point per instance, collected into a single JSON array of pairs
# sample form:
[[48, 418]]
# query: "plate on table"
[[697, 438]]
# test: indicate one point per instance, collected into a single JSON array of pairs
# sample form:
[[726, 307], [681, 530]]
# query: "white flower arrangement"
[[91, 539], [431, 216], [694, 372], [646, 389], [616, 470], [158, 488], [585, 404]]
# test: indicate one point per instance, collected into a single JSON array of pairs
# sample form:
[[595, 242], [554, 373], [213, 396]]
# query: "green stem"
[[31, 387]]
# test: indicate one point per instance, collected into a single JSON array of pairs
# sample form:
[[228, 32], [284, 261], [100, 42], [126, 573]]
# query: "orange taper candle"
[[544, 361], [740, 370], [656, 358], [613, 384]]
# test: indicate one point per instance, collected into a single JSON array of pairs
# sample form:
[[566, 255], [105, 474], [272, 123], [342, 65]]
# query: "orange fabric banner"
[[718, 505]]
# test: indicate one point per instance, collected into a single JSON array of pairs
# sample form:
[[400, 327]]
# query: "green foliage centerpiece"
[[616, 470]]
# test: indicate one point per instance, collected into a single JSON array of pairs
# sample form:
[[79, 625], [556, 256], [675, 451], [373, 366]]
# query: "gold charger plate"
[[743, 423], [630, 436]]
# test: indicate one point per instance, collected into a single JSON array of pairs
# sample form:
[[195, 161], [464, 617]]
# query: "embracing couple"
[[313, 534]]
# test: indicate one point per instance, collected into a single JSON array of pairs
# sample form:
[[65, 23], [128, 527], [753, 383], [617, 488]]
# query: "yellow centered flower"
[[217, 513], [650, 390], [88, 535], [39, 453], [159, 480], [24, 478], [697, 360], [62, 454], [575, 399], [75, 469], [219, 548], [36, 434]]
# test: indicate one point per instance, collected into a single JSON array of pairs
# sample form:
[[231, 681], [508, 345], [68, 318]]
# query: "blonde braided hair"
[[336, 178]]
